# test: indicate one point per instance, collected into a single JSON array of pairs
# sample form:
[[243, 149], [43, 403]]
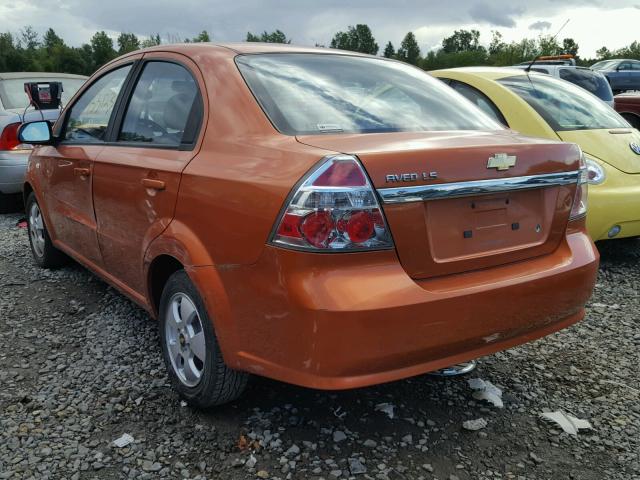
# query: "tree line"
[[463, 48], [28, 51]]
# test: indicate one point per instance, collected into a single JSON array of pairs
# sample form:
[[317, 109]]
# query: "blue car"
[[623, 74]]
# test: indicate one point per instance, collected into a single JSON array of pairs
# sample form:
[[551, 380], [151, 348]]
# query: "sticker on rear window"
[[329, 127]]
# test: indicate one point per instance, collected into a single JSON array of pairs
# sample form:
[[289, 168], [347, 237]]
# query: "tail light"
[[334, 209], [579, 208], [9, 138]]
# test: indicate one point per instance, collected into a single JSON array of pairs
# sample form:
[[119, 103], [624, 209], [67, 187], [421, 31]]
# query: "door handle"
[[154, 184], [81, 172]]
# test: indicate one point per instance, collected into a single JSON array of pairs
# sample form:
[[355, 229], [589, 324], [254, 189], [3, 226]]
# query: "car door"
[[67, 166], [634, 76], [623, 77], [137, 175]]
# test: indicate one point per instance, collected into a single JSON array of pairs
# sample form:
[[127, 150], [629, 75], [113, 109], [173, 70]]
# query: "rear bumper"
[[351, 320], [13, 166], [615, 202]]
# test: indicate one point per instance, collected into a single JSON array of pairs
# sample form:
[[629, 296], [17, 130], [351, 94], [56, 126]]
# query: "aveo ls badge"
[[410, 177]]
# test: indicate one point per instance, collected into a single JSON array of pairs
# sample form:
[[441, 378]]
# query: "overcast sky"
[[593, 23]]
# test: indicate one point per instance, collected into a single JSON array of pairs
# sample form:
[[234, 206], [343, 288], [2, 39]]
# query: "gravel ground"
[[81, 366]]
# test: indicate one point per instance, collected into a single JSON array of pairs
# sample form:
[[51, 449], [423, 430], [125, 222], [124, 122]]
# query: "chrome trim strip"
[[420, 193]]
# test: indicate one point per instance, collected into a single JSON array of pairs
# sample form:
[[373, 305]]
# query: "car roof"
[[618, 60], [246, 48], [493, 73], [558, 67], [27, 75]]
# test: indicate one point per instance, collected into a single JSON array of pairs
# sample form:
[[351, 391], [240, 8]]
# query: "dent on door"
[[134, 200]]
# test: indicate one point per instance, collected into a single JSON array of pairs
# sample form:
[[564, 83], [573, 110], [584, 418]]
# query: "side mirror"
[[35, 133]]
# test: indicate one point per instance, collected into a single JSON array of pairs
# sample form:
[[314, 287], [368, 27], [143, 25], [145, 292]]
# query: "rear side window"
[[89, 116], [589, 80], [540, 70], [327, 93], [161, 105], [479, 99]]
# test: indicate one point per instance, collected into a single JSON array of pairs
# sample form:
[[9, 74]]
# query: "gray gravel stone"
[[339, 436], [81, 365]]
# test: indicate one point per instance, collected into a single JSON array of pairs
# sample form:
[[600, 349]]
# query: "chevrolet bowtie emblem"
[[502, 161]]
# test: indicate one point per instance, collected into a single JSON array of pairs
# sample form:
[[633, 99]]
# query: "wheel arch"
[[26, 191], [632, 118], [158, 273], [165, 256], [178, 247]]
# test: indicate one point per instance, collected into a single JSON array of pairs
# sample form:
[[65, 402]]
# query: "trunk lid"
[[452, 235], [610, 146]]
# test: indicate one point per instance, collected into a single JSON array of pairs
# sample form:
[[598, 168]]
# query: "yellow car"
[[542, 106]]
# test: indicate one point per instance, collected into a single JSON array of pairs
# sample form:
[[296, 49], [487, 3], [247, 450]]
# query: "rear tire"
[[42, 249], [186, 336]]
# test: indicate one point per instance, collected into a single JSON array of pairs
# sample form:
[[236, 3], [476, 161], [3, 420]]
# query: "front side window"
[[160, 106], [479, 99], [624, 66], [591, 81], [562, 105], [89, 116], [327, 93]]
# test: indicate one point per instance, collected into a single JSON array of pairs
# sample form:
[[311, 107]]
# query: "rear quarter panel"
[[233, 190]]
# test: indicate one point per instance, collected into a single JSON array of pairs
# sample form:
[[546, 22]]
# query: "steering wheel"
[[149, 128]]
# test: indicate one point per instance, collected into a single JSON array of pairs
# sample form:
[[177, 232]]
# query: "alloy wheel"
[[185, 340], [36, 229]]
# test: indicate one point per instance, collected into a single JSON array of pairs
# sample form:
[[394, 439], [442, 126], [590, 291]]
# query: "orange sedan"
[[319, 217]]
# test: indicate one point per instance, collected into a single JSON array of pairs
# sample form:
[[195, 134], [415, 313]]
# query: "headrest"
[[176, 111]]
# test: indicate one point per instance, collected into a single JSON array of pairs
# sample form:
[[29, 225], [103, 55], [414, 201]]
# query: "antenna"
[[528, 69], [561, 28]]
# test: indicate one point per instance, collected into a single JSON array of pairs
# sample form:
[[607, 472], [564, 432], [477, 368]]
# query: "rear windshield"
[[563, 105], [591, 81], [326, 93], [13, 96]]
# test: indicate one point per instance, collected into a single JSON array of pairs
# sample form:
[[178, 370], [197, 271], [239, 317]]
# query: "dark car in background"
[[628, 105], [623, 74], [13, 112]]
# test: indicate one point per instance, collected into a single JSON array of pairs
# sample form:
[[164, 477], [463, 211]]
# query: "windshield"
[[591, 81], [324, 93], [13, 95], [563, 105]]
